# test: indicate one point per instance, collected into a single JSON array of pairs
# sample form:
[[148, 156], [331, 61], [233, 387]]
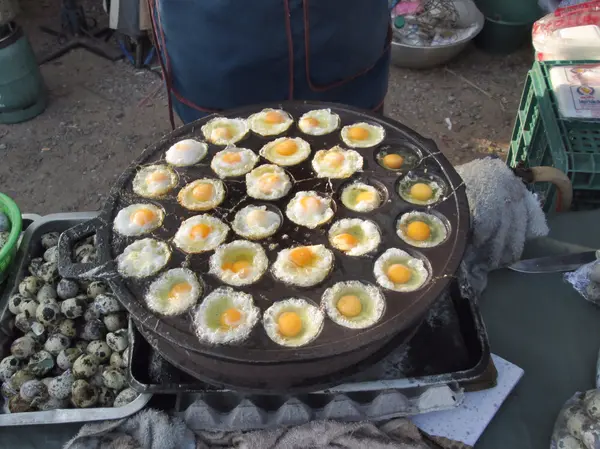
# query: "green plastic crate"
[[541, 137]]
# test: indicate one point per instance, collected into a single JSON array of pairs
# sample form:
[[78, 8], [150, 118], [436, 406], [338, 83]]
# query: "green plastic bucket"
[[7, 252], [501, 37]]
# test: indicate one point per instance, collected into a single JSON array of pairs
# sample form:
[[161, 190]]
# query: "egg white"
[[328, 122], [237, 126], [207, 314], [217, 235], [280, 190], [270, 153], [420, 275], [309, 218], [436, 226], [312, 321], [365, 231], [186, 152], [256, 230], [352, 163], [143, 186], [124, 225], [407, 182], [376, 135], [371, 299], [187, 200], [224, 170], [287, 271], [350, 193], [258, 265], [143, 258], [259, 126], [157, 297]]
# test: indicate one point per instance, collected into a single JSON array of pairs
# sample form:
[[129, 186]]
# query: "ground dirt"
[[103, 114]]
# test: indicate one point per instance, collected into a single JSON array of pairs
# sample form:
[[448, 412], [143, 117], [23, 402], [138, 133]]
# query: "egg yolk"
[[268, 182], [334, 159], [310, 204], [273, 117], [200, 231], [142, 217], [418, 230], [366, 196], [182, 146], [232, 158], [310, 122], [421, 191], [179, 289], [393, 161], [230, 318], [301, 256], [358, 133], [398, 273], [222, 132], [286, 148], [349, 306], [156, 176], [203, 192], [289, 324], [241, 267], [345, 242], [256, 218]]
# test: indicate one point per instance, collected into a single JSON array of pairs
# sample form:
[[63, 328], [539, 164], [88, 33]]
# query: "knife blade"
[[554, 264]]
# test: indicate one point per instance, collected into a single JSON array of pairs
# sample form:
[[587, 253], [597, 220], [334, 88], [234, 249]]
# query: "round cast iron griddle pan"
[[403, 311]]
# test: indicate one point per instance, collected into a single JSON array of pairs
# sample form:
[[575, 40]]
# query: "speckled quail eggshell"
[[143, 258], [96, 288], [218, 234], [20, 377], [253, 183], [91, 313], [375, 137], [438, 231], [125, 397], [85, 366], [67, 288], [23, 322], [30, 285], [248, 250], [100, 349], [286, 271], [46, 294], [186, 152], [259, 125], [35, 265], [117, 360], [23, 347], [146, 188], [17, 404], [366, 233], [38, 332], [115, 321], [29, 307], [9, 366], [107, 303], [127, 223], [420, 275], [117, 341], [67, 327], [33, 389], [81, 345], [223, 169], [269, 152], [48, 314], [237, 127], [8, 390], [114, 379], [256, 230], [40, 363], [56, 343], [106, 397], [51, 254], [53, 404], [83, 395], [351, 163], [312, 321], [328, 122], [49, 272], [50, 239], [371, 299], [67, 357], [309, 218], [14, 303], [73, 307], [158, 297], [86, 253], [93, 330]]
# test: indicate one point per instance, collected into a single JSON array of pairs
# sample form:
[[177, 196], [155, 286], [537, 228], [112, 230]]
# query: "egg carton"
[[30, 247]]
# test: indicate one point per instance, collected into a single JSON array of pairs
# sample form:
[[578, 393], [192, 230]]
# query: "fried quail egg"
[[336, 163], [256, 222], [293, 322], [186, 152], [303, 266], [353, 304], [286, 151], [268, 182], [361, 197], [309, 209], [399, 271], [239, 263], [202, 194], [138, 219], [362, 135], [270, 122], [154, 181], [421, 229], [143, 258], [397, 159], [174, 292], [225, 131], [420, 191], [225, 316], [233, 161], [200, 233], [354, 236], [319, 122]]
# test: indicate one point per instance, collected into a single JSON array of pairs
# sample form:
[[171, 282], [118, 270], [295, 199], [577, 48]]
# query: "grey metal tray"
[[30, 247]]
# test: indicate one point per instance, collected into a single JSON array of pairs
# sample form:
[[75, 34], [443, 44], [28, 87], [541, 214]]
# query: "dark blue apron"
[[220, 54]]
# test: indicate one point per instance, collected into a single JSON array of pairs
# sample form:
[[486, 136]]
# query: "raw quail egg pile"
[[71, 345]]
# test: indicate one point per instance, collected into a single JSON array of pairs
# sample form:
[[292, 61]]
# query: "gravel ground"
[[102, 115]]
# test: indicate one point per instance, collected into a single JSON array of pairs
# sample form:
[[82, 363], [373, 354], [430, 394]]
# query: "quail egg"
[[46, 294], [354, 236], [23, 322], [353, 304], [233, 161], [50, 239], [40, 363], [100, 349], [48, 314], [114, 379], [337, 163], [66, 358], [268, 182], [106, 397], [14, 303], [200, 233], [117, 341], [73, 307], [115, 321], [256, 222], [48, 272], [85, 366], [83, 395], [33, 390], [293, 322], [239, 263], [397, 159], [117, 360], [17, 404], [7, 390], [303, 266], [67, 328], [93, 330], [138, 219], [23, 347], [53, 404], [186, 152], [19, 378], [286, 151], [397, 270], [85, 253], [106, 303], [202, 194], [97, 379], [9, 366], [143, 258], [51, 254], [225, 316], [37, 332], [173, 293], [29, 307], [91, 313], [319, 122], [270, 122], [60, 387], [96, 288], [30, 285], [67, 288], [81, 345], [154, 181], [362, 135], [420, 229], [56, 343], [35, 265], [420, 191], [309, 209], [125, 397], [225, 131]]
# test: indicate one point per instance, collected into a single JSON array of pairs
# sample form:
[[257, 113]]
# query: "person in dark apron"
[[221, 54]]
